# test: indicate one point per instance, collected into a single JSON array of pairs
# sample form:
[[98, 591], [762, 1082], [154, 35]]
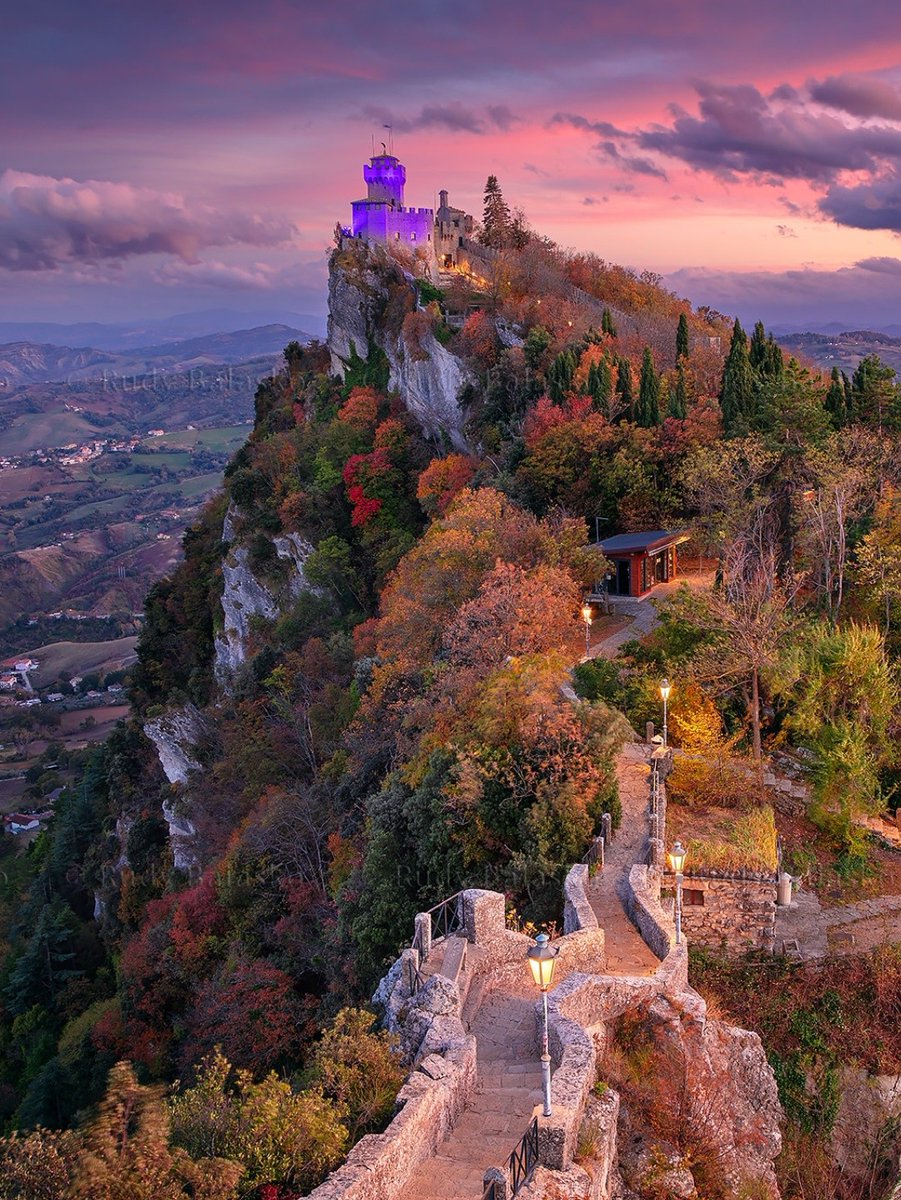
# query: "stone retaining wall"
[[737, 913]]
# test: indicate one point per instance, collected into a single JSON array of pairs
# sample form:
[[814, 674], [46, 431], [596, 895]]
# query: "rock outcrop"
[[244, 596], [369, 294], [177, 735]]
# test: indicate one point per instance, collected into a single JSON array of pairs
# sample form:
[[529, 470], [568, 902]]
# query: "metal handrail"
[[447, 917], [595, 853], [524, 1159]]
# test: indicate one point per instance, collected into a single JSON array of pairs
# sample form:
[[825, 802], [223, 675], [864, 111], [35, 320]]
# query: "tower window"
[[412, 237]]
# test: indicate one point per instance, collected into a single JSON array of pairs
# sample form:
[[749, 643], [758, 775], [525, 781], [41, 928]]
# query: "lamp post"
[[676, 858], [665, 688], [587, 617], [542, 960]]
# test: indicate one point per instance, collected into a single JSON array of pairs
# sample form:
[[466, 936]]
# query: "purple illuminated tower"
[[382, 216]]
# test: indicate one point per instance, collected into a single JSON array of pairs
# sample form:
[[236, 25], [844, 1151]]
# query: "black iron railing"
[[594, 855], [414, 977], [447, 917], [493, 1191], [524, 1159]]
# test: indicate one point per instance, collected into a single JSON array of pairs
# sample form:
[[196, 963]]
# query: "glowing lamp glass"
[[676, 858], [542, 960], [665, 688], [586, 614]]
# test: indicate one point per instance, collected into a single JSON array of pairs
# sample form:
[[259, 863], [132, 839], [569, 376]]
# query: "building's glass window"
[[692, 896], [412, 237]]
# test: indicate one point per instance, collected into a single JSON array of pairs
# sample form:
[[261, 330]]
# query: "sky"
[[176, 156]]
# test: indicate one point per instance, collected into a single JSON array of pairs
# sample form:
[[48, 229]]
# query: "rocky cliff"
[[369, 296]]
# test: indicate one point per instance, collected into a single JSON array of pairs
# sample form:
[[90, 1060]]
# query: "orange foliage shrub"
[[442, 480], [361, 409]]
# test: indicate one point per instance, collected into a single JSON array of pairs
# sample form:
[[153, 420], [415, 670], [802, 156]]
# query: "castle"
[[382, 216]]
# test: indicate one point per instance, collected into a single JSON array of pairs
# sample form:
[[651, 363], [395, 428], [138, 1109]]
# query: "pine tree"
[[648, 412], [737, 388], [874, 391], [682, 337], [677, 405], [495, 216], [624, 389], [607, 325], [835, 400]]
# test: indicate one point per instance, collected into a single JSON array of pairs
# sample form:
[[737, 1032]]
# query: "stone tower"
[[382, 215]]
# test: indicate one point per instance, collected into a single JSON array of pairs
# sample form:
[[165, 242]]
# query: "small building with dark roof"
[[640, 560]]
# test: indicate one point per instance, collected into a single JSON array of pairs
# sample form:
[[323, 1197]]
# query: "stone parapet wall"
[[577, 911], [654, 923], [738, 912], [428, 1105]]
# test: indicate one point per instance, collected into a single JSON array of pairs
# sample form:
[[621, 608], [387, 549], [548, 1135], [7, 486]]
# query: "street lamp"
[[542, 960], [587, 617], [665, 688], [676, 859]]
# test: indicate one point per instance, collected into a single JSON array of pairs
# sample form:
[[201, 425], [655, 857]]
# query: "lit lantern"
[[542, 960]]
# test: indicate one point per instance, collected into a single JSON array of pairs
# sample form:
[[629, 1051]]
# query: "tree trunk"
[[755, 719]]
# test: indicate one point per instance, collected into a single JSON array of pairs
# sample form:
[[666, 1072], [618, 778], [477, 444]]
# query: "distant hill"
[[26, 362], [844, 350], [137, 334]]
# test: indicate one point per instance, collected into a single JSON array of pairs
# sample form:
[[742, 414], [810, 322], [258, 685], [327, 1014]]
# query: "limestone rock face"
[[244, 596], [176, 735], [364, 286]]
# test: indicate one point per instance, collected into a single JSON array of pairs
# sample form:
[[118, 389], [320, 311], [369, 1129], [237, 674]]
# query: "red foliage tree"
[[442, 479], [251, 1011]]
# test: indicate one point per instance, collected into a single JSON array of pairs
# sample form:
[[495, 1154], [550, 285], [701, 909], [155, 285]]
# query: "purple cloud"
[[875, 204], [858, 95], [454, 117], [46, 223]]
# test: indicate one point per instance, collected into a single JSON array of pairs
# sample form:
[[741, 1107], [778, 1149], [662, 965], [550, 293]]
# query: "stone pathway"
[[807, 931], [627, 952], [508, 1088]]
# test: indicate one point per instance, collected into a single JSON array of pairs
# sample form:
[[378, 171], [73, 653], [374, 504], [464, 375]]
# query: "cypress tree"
[[648, 413], [560, 375], [835, 401], [607, 325], [495, 216], [598, 386], [682, 337], [737, 387], [677, 405], [624, 389]]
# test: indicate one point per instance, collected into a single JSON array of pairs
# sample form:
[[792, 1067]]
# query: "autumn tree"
[[441, 481], [271, 1133], [360, 1069], [752, 620], [879, 560], [607, 325], [126, 1154]]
